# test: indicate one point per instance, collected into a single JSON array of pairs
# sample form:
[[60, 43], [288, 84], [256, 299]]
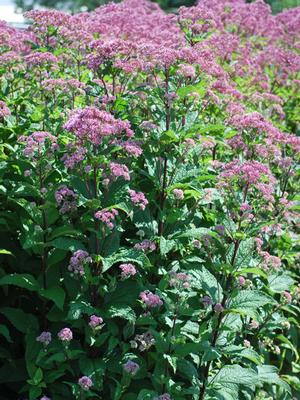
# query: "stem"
[[165, 160], [215, 333], [170, 342]]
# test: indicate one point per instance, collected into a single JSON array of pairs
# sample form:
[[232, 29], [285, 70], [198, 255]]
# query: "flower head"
[[127, 270], [85, 382], [131, 367], [78, 261], [95, 321], [45, 338], [150, 299], [65, 335]]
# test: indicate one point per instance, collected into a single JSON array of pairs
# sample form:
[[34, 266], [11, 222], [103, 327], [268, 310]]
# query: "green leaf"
[[127, 292], [5, 332], [77, 308], [63, 231], [243, 352], [65, 243], [3, 251], [246, 302], [254, 271], [244, 253], [122, 312], [204, 280], [25, 281], [235, 375], [56, 294], [166, 245], [125, 255], [279, 283], [19, 319], [269, 374]]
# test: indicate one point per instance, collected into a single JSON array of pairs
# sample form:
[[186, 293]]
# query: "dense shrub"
[[149, 203]]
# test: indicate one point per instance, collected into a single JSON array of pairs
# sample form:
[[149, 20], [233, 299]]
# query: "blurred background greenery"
[[77, 5]]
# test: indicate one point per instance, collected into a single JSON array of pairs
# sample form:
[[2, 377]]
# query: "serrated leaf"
[[246, 302], [122, 312], [125, 255], [77, 308], [235, 375], [202, 279], [279, 283], [269, 374]]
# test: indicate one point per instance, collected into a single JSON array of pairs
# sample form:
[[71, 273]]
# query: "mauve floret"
[[179, 279], [254, 324], [178, 194], [66, 199], [85, 382], [95, 321], [107, 217], [220, 229], [131, 367], [127, 270], [45, 398], [78, 260], [44, 337], [27, 172], [35, 143], [207, 301], [40, 58], [287, 297], [65, 335], [4, 110], [138, 198], [150, 299], [218, 308], [93, 125], [164, 396], [247, 343], [241, 281], [119, 171], [145, 245], [132, 148]]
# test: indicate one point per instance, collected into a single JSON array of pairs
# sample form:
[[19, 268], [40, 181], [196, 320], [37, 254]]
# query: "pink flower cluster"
[[131, 367], [66, 200], [78, 261], [37, 143], [248, 174], [138, 198], [95, 321], [65, 85], [4, 110], [269, 261], [119, 171], [145, 245], [127, 270], [107, 217], [65, 335], [45, 338], [180, 279], [93, 125], [85, 382], [40, 58], [150, 299]]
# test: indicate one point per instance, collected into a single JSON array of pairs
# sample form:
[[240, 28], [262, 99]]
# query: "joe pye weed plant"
[[149, 203]]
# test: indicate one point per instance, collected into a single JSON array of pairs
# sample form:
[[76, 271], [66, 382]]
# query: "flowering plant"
[[149, 215]]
